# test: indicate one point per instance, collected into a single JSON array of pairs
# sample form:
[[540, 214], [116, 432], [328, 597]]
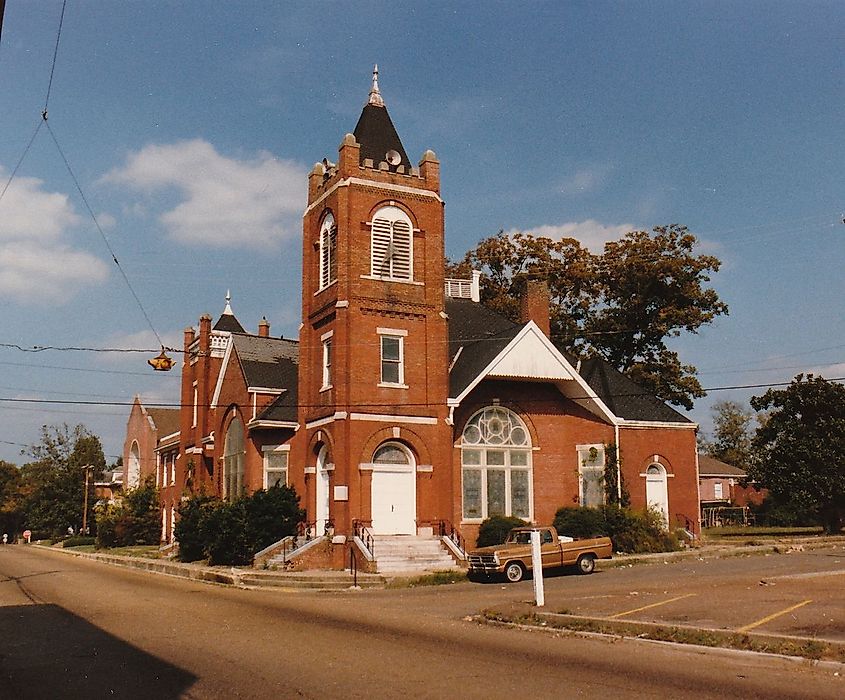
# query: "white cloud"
[[226, 202], [590, 233], [43, 274], [29, 212], [36, 264]]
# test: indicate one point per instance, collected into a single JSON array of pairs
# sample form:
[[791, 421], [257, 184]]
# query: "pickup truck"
[[513, 558]]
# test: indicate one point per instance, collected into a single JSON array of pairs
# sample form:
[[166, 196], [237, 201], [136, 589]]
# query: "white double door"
[[394, 502]]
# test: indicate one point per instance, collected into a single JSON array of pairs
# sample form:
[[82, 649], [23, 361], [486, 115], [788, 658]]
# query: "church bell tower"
[[373, 343]]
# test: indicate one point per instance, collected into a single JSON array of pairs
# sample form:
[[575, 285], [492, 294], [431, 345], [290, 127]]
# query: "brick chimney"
[[264, 327], [534, 305]]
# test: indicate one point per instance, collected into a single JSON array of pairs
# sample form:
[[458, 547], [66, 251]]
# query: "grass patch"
[[438, 578], [724, 639], [150, 551], [714, 534]]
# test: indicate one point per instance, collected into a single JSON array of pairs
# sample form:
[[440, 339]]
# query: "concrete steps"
[[410, 554], [311, 580]]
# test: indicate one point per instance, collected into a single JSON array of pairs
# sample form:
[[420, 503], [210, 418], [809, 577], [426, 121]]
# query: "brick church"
[[406, 406]]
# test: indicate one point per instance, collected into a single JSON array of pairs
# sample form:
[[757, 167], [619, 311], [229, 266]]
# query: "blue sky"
[[191, 127]]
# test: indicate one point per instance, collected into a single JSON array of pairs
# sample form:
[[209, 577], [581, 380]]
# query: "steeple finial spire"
[[375, 95], [228, 309]]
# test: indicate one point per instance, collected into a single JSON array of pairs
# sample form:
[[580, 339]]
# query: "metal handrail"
[[362, 532], [446, 529], [687, 522], [353, 566]]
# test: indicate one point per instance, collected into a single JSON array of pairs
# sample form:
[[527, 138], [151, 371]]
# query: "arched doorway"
[[133, 471], [321, 512], [656, 493], [394, 494]]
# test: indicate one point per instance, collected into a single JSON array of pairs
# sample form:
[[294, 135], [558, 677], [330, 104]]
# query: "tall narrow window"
[[392, 360], [327, 362], [496, 465], [196, 406], [391, 245], [591, 474], [328, 252], [234, 455]]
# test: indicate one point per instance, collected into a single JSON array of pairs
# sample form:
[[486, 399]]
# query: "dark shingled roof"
[[282, 409], [484, 333], [377, 135], [228, 322], [481, 332], [625, 398], [166, 420], [710, 466], [270, 363]]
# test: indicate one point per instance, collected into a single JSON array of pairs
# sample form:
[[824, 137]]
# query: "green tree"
[[53, 484], [134, 520], [11, 499], [732, 434], [623, 304], [798, 451]]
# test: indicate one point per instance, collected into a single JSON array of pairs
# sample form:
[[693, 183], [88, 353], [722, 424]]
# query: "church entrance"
[[393, 492]]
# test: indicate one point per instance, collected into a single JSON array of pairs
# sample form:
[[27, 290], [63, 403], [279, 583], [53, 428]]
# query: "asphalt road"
[[75, 628]]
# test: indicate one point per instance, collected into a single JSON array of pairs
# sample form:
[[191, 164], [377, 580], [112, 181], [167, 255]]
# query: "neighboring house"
[[145, 428], [723, 484], [110, 487], [406, 405]]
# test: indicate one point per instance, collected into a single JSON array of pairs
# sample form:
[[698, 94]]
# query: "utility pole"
[[87, 468]]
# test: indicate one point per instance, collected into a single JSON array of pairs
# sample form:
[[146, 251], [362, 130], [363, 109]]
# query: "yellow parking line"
[[653, 605], [771, 617]]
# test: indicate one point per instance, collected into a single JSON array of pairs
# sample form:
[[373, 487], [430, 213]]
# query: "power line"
[[393, 405], [55, 55], [75, 348]]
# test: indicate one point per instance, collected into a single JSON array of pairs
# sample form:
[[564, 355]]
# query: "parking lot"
[[794, 593]]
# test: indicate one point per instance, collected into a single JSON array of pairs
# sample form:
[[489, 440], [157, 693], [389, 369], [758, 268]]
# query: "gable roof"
[[165, 420], [268, 363], [478, 335], [710, 466], [627, 399]]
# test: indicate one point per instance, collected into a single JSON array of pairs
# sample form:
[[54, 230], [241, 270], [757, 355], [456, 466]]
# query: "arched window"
[[233, 460], [391, 244], [328, 252], [496, 465], [391, 453], [133, 476], [656, 491]]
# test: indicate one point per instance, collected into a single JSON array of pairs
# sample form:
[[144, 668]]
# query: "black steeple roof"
[[377, 135], [227, 320]]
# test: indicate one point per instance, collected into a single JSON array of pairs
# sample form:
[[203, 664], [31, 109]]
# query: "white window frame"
[[718, 491], [196, 406], [173, 457], [326, 360], [583, 452], [328, 253], [484, 468], [391, 245], [398, 335], [269, 450]]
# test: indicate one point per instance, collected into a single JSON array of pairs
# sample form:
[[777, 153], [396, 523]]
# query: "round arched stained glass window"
[[495, 426]]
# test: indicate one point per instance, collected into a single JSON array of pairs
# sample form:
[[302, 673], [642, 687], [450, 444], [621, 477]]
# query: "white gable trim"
[[218, 387], [508, 364], [646, 424]]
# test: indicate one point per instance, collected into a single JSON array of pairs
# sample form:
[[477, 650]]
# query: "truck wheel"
[[586, 564], [515, 571]]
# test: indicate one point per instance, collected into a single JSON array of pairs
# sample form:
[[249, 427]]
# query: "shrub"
[[495, 529], [631, 531], [272, 515], [232, 532], [224, 532], [78, 541], [135, 520], [190, 526]]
